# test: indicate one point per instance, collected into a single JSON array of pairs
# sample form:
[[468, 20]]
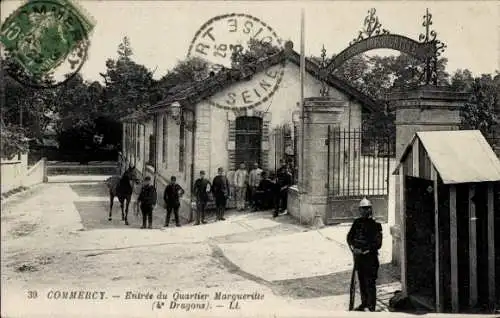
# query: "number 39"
[[32, 294]]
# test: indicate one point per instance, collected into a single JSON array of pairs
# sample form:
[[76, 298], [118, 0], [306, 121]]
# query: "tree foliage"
[[480, 112], [25, 111], [128, 85], [256, 50], [182, 75], [81, 109], [376, 76], [12, 141]]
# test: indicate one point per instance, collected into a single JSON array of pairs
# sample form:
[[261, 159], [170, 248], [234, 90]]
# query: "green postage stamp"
[[46, 41]]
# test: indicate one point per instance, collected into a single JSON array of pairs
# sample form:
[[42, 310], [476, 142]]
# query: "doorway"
[[248, 141], [420, 239]]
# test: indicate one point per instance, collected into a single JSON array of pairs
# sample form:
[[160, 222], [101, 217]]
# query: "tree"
[[12, 141], [197, 69], [129, 85], [181, 76], [376, 76], [480, 112], [80, 103], [256, 50], [24, 105], [462, 81]]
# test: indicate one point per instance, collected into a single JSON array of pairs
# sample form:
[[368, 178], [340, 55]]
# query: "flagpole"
[[302, 73], [302, 79]]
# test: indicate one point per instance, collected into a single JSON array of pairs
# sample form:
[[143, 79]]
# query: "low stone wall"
[[36, 174], [16, 174], [12, 173], [71, 169]]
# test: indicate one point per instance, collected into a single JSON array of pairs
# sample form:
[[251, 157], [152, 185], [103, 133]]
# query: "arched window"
[[248, 140]]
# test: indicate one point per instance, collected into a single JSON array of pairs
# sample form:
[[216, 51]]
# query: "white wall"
[[213, 126], [13, 173], [214, 120], [16, 173], [170, 165]]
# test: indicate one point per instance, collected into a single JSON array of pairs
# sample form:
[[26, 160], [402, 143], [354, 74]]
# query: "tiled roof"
[[200, 90], [459, 156], [137, 115]]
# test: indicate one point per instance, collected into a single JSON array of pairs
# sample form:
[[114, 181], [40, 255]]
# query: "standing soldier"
[[172, 193], [365, 239], [201, 190], [265, 193], [220, 189], [240, 182], [253, 182], [284, 181], [147, 201]]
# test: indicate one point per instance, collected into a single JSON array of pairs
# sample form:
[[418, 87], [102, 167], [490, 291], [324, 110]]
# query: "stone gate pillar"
[[426, 108], [311, 198]]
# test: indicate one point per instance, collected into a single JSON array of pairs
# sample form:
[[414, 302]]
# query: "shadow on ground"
[[90, 190], [331, 284], [94, 215]]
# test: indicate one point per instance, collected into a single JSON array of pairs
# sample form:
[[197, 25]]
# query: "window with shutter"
[[248, 140]]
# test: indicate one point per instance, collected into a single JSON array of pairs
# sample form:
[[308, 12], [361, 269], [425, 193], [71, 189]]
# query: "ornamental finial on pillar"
[[371, 27], [430, 75], [323, 92]]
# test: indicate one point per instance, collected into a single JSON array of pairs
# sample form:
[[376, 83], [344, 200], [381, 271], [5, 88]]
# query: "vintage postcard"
[[250, 158]]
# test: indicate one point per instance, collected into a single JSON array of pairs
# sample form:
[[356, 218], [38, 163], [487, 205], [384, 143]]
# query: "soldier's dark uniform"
[[365, 238], [147, 199]]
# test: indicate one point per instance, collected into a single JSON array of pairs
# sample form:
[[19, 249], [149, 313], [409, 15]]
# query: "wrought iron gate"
[[358, 163]]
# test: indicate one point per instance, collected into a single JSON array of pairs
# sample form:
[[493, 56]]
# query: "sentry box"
[[449, 212]]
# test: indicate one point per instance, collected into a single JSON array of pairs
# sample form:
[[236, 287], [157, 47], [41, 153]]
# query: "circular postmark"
[[46, 42], [244, 50]]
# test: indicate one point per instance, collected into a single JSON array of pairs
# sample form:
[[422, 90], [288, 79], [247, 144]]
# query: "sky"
[[161, 31]]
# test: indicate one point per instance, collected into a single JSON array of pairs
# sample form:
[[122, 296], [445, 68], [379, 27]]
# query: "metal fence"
[[358, 162]]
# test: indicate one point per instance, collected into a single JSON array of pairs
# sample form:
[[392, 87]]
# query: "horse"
[[122, 188]]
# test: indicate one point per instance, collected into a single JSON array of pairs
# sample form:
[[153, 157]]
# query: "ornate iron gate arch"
[[358, 160], [372, 36]]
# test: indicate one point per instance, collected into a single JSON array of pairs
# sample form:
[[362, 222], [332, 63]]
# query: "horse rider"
[[365, 239], [147, 200]]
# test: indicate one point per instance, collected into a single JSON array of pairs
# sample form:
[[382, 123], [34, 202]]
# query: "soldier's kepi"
[[365, 239]]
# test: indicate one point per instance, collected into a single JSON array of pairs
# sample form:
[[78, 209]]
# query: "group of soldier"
[[255, 189]]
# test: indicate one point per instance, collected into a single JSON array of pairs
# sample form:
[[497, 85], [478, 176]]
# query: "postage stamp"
[[46, 42], [244, 49]]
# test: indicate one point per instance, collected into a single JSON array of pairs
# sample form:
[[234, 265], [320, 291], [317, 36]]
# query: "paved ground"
[[58, 238]]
